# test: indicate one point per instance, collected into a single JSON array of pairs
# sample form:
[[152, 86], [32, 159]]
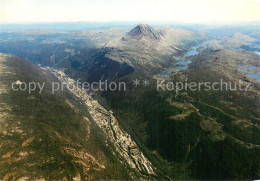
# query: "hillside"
[[203, 134], [51, 136]]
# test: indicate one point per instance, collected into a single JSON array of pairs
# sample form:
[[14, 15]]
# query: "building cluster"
[[124, 144]]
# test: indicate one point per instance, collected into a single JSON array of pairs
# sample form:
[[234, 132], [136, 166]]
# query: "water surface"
[[248, 70]]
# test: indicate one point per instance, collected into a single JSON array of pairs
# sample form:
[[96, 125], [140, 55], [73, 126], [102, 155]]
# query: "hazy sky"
[[174, 11]]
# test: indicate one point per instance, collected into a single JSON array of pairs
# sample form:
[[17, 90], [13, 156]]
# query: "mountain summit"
[[144, 30]]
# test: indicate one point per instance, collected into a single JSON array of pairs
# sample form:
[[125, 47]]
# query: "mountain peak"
[[241, 37], [144, 30]]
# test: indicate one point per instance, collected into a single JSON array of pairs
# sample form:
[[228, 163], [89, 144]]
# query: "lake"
[[194, 51], [248, 70]]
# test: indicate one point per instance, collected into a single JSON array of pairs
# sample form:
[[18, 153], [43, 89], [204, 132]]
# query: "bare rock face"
[[145, 31]]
